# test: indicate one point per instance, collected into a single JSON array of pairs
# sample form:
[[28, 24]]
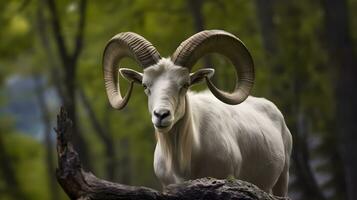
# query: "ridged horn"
[[222, 42], [126, 44]]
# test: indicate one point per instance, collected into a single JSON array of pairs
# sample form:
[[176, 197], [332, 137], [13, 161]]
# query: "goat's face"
[[166, 85]]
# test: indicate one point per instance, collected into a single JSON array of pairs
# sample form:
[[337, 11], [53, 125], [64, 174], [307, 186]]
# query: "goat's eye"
[[146, 89]]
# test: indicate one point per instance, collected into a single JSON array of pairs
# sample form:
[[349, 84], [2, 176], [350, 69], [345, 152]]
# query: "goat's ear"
[[131, 75], [200, 74]]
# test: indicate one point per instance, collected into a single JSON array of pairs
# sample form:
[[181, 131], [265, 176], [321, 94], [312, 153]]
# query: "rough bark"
[[79, 184], [342, 57]]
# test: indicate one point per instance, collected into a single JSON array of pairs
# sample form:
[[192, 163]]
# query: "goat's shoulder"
[[202, 97], [209, 104], [264, 106], [205, 104]]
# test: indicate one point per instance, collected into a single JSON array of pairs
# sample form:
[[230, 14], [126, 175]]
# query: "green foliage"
[[298, 79], [29, 165], [27, 158]]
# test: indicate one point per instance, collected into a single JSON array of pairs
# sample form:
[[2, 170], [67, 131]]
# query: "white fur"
[[208, 138]]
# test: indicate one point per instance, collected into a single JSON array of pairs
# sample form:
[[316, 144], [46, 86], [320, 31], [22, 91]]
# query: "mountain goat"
[[197, 134]]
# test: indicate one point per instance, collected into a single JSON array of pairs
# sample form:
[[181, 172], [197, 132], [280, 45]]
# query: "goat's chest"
[[216, 159], [166, 167], [209, 163]]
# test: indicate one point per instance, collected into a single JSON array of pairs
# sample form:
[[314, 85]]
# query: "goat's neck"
[[177, 144]]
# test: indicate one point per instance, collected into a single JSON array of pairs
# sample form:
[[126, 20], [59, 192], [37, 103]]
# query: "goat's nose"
[[161, 113]]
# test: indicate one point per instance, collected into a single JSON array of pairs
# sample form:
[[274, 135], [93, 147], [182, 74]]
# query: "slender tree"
[[265, 12], [69, 62], [342, 57], [103, 133]]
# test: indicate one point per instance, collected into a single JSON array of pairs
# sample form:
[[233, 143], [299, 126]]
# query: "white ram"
[[197, 134]]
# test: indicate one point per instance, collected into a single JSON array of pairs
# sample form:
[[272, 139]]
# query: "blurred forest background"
[[51, 52]]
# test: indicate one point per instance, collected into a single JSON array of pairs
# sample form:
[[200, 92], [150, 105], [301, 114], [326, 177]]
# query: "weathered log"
[[79, 184]]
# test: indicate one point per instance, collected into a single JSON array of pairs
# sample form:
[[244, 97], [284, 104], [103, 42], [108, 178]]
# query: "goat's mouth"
[[162, 128]]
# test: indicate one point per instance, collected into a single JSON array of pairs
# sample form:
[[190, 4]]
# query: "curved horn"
[[217, 41], [122, 45]]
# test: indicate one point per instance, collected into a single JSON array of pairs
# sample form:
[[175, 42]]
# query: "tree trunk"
[[69, 66], [265, 10], [79, 184], [55, 74], [343, 57]]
